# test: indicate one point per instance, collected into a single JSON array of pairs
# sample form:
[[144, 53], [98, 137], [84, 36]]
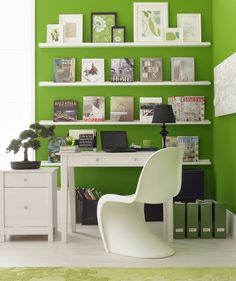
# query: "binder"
[[192, 221], [219, 220], [206, 217], [179, 220]]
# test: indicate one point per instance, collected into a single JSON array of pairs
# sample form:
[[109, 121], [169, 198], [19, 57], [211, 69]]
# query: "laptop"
[[115, 141]]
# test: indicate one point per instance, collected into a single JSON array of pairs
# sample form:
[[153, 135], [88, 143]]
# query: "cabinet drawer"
[[26, 180], [26, 207]]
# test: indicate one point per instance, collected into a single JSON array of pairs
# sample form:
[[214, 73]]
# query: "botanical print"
[[151, 21], [191, 24], [54, 33], [93, 70], [102, 27], [182, 69], [122, 70], [118, 35], [173, 35]]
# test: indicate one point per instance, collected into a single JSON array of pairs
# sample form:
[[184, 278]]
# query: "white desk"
[[100, 159]]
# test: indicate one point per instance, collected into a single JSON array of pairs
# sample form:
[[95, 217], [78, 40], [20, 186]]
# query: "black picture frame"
[[92, 25], [115, 28]]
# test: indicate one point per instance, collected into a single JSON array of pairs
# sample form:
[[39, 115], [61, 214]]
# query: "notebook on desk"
[[115, 141]]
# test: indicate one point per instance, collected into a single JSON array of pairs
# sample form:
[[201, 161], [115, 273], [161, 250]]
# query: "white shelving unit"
[[123, 84], [110, 123], [126, 44]]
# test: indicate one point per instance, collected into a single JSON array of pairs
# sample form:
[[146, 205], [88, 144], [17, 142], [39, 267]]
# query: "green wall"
[[224, 133], [123, 180]]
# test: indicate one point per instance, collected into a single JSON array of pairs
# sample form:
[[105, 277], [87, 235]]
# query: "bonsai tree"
[[30, 139]]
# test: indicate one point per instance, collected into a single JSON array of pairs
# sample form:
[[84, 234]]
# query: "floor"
[[85, 249]]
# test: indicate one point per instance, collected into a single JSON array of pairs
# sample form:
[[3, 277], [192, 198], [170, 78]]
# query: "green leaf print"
[[145, 14], [152, 27]]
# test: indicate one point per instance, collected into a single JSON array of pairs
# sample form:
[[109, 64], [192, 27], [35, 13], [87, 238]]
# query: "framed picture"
[[173, 35], [54, 33], [122, 70], [118, 34], [182, 69], [151, 70], [191, 24], [93, 70], [101, 24], [73, 27], [149, 21]]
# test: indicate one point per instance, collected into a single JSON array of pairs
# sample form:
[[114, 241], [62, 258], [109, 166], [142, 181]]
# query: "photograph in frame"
[[55, 33], [93, 70], [182, 69], [73, 27], [191, 24], [149, 21], [101, 25]]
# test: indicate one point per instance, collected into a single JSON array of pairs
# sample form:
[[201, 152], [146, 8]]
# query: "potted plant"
[[29, 139]]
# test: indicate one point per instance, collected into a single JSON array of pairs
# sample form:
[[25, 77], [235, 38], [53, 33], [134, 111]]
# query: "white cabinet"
[[28, 202]]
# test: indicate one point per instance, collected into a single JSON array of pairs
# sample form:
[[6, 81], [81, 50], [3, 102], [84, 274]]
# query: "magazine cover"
[[122, 109], [93, 109], [64, 70], [190, 145], [151, 70], [54, 144], [65, 110], [171, 141], [146, 108], [85, 139], [93, 70], [122, 70]]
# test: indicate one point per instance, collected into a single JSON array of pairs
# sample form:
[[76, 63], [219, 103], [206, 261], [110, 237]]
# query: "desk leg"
[[72, 198], [64, 199], [168, 219]]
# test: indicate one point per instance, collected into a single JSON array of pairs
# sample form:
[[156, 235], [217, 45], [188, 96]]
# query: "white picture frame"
[[173, 35], [73, 27], [191, 24], [93, 70], [182, 69], [146, 16], [55, 33]]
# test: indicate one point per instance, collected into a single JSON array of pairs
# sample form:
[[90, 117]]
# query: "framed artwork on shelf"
[[101, 25], [55, 33], [122, 70], [191, 24], [151, 70], [173, 35], [73, 27], [93, 70], [118, 34], [149, 21], [182, 70]]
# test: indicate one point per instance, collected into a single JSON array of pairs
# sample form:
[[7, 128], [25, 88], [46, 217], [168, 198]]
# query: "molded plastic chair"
[[121, 218]]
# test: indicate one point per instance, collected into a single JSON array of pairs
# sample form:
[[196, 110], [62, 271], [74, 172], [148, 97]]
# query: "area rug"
[[118, 274]]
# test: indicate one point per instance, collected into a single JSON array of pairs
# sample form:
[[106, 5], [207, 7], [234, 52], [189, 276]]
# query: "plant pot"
[[21, 165]]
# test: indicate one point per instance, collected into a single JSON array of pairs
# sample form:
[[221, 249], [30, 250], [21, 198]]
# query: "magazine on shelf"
[[54, 145], [85, 139], [65, 110], [146, 108], [188, 108], [64, 70], [122, 109], [151, 70], [122, 70], [93, 109]]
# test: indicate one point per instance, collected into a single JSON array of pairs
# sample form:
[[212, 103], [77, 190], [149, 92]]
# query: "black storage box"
[[86, 212]]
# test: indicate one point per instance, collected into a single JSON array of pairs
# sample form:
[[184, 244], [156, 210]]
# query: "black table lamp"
[[163, 113]]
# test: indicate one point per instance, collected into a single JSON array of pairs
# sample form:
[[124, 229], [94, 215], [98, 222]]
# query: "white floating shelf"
[[126, 44], [107, 122], [204, 162], [122, 84]]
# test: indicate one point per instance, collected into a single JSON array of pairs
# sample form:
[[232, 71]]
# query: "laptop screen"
[[114, 139]]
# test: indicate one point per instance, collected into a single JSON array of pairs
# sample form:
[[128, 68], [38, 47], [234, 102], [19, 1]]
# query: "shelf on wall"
[[121, 84], [108, 122], [126, 44]]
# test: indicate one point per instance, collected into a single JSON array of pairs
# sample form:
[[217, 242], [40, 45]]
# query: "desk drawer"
[[26, 180]]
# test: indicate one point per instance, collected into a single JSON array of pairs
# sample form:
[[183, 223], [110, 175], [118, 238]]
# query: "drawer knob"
[[26, 207], [25, 179], [97, 159], [135, 159]]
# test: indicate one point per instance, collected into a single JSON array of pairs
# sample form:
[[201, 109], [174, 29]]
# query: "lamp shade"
[[163, 113]]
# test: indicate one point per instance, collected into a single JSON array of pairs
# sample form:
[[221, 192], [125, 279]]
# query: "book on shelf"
[[64, 70], [188, 108], [54, 145], [65, 110], [85, 139], [122, 70], [151, 70], [121, 109], [93, 109], [190, 144], [146, 108], [83, 193]]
